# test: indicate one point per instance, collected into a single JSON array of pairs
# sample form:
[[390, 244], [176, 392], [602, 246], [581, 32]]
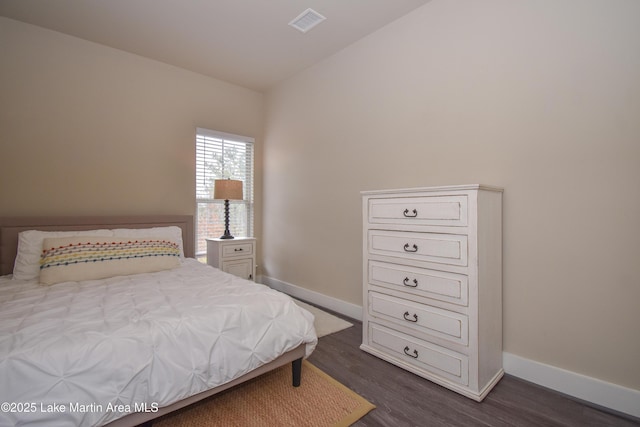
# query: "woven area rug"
[[271, 400]]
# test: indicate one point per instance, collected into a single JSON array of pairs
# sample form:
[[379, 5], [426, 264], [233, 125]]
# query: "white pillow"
[[172, 233], [75, 259], [27, 263]]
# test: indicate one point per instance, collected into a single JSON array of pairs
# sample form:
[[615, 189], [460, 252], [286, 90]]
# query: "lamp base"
[[227, 234]]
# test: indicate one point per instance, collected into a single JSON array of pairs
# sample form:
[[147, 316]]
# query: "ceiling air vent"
[[307, 20]]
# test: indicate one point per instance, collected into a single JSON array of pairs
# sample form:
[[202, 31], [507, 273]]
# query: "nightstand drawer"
[[437, 285], [238, 249], [444, 324], [430, 210], [240, 267], [421, 354], [431, 247]]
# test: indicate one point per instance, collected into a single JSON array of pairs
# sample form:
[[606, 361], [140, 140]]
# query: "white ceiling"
[[245, 42]]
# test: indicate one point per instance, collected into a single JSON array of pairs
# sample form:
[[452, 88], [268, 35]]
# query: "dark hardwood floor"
[[404, 399]]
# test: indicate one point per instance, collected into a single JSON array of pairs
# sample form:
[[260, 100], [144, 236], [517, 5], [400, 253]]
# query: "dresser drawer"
[[453, 327], [238, 249], [431, 247], [424, 355], [438, 285], [430, 210]]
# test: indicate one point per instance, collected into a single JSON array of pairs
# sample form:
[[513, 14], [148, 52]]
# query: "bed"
[[124, 347]]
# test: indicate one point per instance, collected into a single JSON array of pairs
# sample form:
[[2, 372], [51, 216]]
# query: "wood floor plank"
[[405, 399]]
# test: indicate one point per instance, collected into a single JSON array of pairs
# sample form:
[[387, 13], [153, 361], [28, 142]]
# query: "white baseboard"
[[347, 309], [597, 392]]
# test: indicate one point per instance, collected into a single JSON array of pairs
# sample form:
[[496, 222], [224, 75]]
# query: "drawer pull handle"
[[413, 248], [414, 212], [237, 250], [406, 282], [415, 317], [414, 355]]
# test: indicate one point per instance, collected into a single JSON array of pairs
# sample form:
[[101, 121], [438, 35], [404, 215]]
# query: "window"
[[220, 156]]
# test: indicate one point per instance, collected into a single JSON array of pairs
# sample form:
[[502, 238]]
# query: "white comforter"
[[72, 352]]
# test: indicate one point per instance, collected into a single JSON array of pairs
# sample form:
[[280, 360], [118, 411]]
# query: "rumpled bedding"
[[87, 353]]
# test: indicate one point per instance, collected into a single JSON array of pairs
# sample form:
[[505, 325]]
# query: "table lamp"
[[227, 189]]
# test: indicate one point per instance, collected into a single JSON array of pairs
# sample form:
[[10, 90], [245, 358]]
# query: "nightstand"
[[236, 256]]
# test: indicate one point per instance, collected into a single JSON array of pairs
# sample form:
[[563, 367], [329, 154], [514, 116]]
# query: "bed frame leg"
[[296, 367]]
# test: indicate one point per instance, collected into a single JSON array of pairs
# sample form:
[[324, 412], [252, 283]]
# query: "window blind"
[[221, 155]]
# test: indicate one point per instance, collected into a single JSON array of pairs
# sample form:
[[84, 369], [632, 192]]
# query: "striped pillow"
[[73, 259]]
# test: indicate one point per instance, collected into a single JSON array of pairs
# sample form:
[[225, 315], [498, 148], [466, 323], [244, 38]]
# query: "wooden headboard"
[[11, 226]]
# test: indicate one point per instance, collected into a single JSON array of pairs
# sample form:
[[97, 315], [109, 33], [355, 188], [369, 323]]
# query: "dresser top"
[[443, 188]]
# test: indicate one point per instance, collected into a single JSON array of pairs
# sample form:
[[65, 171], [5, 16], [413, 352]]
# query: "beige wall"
[[541, 98], [85, 129]]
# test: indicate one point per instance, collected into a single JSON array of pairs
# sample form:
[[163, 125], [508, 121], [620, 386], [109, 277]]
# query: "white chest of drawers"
[[432, 283], [235, 256]]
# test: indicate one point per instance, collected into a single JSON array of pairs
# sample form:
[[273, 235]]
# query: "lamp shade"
[[227, 189]]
